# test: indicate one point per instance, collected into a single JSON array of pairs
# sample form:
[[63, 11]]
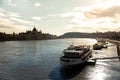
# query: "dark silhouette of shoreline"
[[38, 35], [108, 35], [28, 35]]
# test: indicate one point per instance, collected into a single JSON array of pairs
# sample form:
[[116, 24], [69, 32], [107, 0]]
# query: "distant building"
[[35, 35], [31, 35]]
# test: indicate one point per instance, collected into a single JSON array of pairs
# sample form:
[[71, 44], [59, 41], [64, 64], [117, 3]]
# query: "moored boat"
[[101, 44], [75, 55], [97, 46]]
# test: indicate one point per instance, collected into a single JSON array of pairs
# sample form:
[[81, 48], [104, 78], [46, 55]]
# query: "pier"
[[117, 44], [95, 59]]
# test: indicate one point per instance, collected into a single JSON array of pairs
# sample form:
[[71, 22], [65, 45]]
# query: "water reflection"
[[66, 73], [39, 60], [99, 73]]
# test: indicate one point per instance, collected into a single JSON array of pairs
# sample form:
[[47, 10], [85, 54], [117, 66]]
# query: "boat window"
[[71, 55]]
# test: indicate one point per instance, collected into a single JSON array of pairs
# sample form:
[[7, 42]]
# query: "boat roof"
[[72, 51], [78, 46]]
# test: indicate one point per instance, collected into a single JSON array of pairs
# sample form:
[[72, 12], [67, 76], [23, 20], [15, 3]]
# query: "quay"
[[117, 44]]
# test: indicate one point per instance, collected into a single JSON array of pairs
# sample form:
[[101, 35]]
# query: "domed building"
[[35, 35], [34, 29], [32, 35]]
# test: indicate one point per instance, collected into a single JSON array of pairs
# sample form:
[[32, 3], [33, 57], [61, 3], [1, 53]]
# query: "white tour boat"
[[75, 55]]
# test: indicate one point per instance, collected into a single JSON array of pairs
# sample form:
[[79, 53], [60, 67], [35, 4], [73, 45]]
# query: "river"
[[39, 60]]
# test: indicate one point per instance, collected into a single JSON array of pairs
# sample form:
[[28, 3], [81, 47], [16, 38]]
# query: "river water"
[[39, 60]]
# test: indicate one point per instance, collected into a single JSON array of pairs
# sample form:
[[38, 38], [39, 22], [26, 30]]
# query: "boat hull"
[[97, 46]]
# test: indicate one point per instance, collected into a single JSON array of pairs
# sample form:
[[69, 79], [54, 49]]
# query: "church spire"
[[34, 29]]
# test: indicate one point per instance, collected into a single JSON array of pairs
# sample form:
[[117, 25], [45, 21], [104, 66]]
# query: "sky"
[[59, 16]]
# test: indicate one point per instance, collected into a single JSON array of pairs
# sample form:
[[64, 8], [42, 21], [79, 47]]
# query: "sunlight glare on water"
[[83, 41], [99, 73]]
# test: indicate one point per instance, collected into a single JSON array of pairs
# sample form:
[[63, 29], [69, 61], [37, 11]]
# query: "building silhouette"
[[35, 35]]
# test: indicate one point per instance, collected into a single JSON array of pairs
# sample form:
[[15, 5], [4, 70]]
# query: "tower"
[[34, 29]]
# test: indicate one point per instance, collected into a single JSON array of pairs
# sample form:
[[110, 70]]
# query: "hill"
[[76, 35], [110, 35]]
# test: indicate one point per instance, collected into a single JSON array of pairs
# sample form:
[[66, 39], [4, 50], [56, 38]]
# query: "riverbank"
[[117, 43], [111, 41]]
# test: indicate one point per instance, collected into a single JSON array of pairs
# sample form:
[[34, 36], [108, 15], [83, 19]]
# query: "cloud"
[[106, 8], [4, 20], [20, 20], [102, 24], [6, 25], [8, 1], [8, 14], [37, 4], [10, 22], [78, 28], [91, 28], [71, 14], [109, 12], [11, 14], [89, 18], [54, 15], [36, 18], [2, 15]]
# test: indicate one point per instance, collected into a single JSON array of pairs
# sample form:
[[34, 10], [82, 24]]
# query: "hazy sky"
[[59, 16]]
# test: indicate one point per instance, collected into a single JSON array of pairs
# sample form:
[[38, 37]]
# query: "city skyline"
[[59, 16]]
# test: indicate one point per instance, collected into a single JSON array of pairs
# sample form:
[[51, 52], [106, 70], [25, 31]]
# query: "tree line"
[[109, 35]]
